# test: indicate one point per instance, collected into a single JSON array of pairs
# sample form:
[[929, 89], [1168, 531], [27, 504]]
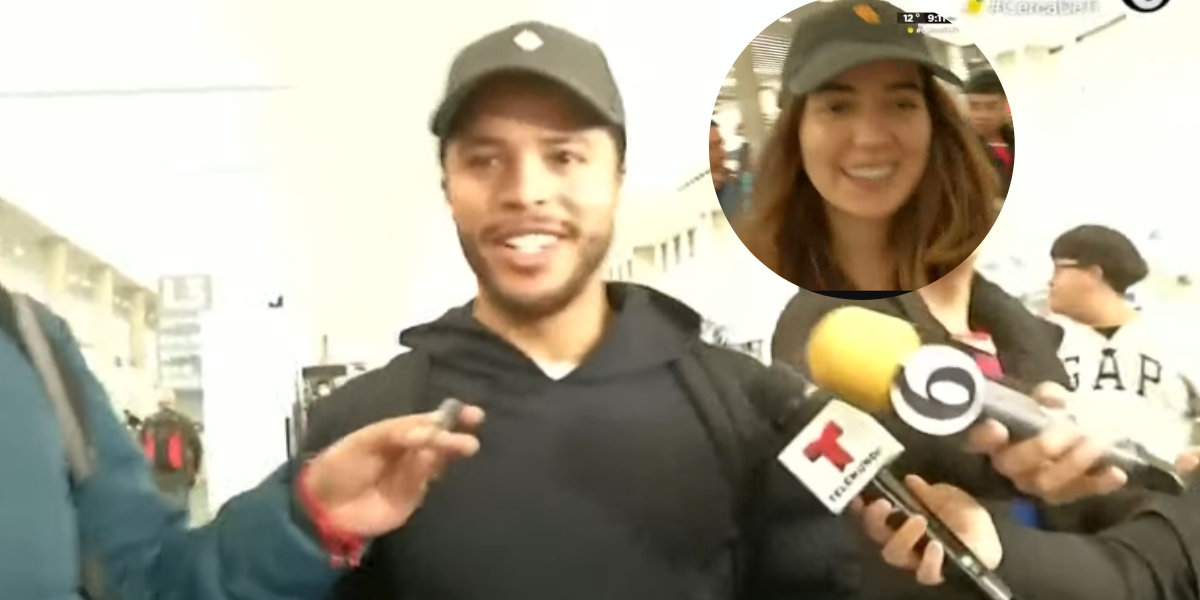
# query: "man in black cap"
[[621, 454], [987, 108], [1131, 370]]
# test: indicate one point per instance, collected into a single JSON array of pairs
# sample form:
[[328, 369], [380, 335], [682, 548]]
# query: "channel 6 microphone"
[[842, 452], [878, 362]]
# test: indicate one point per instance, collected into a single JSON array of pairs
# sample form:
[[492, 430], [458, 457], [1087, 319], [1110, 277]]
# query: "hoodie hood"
[[649, 329]]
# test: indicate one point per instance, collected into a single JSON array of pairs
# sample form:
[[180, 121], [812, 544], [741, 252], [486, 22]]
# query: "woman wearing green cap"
[[870, 180]]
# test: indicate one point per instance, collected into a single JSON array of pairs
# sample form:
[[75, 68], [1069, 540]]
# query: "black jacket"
[[572, 496], [1125, 546]]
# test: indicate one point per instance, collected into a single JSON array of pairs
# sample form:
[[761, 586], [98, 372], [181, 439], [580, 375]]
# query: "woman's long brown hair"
[[948, 215]]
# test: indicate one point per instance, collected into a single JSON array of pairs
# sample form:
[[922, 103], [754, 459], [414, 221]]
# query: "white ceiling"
[[130, 124], [170, 136], [176, 115]]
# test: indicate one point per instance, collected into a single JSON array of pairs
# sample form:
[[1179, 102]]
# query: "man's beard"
[[593, 250]]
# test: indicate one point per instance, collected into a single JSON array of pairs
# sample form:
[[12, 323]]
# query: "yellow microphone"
[[857, 353], [877, 362]]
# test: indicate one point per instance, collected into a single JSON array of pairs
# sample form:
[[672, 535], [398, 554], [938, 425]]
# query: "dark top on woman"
[[1136, 545]]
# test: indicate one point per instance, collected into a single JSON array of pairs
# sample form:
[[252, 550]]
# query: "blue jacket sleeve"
[[255, 549]]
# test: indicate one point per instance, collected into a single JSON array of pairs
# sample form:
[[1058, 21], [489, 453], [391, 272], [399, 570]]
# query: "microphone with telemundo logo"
[[877, 362], [842, 452]]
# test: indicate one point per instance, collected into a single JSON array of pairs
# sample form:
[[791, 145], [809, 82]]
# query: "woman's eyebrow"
[[899, 86]]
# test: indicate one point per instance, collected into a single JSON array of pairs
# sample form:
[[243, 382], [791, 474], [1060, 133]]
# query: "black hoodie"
[[603, 484], [1125, 546]]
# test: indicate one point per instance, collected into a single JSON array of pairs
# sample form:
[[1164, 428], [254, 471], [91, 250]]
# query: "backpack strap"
[[19, 320], [67, 406], [715, 380], [412, 382]]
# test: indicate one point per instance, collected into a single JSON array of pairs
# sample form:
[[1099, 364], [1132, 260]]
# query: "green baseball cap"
[[578, 64], [850, 33]]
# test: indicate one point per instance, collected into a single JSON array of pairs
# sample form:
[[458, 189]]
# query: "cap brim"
[[442, 118], [840, 57]]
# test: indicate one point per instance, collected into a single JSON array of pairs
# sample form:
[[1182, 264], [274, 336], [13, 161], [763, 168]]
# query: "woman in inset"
[[870, 180]]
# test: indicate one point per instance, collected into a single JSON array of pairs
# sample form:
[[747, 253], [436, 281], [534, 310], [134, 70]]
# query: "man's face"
[[532, 181], [716, 151], [986, 112], [1070, 287]]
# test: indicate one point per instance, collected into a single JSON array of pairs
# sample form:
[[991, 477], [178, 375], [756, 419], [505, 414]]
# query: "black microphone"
[[841, 452], [875, 361]]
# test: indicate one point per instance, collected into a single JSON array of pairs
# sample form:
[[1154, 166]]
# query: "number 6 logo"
[[939, 391], [1146, 6]]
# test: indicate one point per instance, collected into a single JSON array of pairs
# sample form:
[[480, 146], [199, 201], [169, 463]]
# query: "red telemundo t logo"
[[828, 447], [838, 453]]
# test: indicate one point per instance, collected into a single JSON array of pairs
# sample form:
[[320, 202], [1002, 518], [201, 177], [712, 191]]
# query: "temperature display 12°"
[[923, 18]]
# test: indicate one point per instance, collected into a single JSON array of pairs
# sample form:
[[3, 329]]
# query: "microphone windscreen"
[[856, 353]]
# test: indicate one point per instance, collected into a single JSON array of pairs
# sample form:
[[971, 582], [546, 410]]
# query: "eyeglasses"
[[1067, 264]]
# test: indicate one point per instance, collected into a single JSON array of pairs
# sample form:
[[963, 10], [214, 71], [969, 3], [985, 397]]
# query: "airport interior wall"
[[354, 233]]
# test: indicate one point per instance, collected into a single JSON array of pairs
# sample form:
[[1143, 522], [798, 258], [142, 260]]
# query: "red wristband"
[[345, 549]]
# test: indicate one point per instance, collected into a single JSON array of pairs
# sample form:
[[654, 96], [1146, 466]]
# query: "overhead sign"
[[181, 302], [188, 293]]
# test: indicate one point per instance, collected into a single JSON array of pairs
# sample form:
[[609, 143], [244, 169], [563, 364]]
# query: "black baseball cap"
[[983, 82], [850, 33], [578, 64]]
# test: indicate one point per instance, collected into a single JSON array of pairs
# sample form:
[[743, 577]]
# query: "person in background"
[[289, 538], [745, 162], [987, 109], [744, 158], [619, 454], [870, 180], [172, 444], [725, 182], [1134, 367]]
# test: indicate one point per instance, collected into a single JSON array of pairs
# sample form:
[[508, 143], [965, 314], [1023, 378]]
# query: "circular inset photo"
[[861, 150]]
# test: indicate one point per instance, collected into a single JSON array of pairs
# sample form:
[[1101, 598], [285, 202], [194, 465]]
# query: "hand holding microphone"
[[1059, 465], [842, 453], [374, 479], [878, 362], [905, 541]]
